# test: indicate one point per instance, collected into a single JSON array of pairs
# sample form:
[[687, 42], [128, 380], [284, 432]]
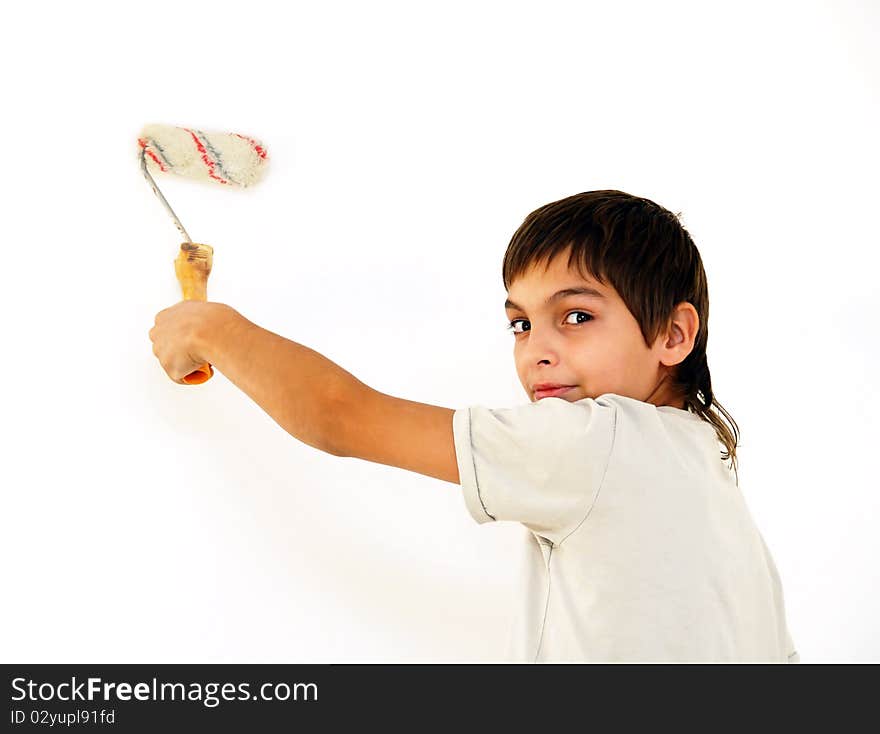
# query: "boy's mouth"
[[551, 392]]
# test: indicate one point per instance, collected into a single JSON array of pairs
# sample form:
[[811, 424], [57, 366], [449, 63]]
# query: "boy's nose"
[[542, 347]]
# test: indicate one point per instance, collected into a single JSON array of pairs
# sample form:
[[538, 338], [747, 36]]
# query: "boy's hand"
[[181, 335]]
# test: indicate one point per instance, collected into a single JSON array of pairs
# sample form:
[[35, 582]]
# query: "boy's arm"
[[387, 430], [322, 405]]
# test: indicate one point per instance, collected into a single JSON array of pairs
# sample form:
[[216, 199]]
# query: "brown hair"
[[651, 261]]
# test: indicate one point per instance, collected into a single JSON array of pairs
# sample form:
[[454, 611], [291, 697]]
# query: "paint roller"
[[228, 159]]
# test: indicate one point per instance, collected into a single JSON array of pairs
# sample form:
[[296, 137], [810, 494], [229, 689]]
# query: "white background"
[[145, 521]]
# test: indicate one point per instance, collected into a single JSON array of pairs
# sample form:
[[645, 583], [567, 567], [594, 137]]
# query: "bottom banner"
[[261, 697]]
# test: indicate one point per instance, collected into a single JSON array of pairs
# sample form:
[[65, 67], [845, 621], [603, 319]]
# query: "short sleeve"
[[539, 464]]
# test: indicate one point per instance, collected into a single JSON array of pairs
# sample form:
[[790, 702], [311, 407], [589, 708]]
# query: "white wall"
[[144, 521]]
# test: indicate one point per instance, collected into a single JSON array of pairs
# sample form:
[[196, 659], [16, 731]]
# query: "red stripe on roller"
[[208, 162], [257, 147], [147, 151]]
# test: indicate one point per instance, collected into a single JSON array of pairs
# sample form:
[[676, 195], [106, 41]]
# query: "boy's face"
[[591, 343]]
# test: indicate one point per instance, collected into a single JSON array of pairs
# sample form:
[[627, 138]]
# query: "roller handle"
[[192, 267]]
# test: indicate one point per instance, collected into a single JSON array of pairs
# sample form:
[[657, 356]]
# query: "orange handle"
[[192, 267]]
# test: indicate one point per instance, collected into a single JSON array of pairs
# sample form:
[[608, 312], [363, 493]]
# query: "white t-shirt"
[[638, 545]]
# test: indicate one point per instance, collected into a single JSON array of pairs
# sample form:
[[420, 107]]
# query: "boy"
[[641, 547]]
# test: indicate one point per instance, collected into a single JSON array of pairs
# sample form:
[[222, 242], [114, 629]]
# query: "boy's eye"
[[512, 325]]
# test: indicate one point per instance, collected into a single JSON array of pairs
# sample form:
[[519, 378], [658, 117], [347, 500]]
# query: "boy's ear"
[[680, 334]]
